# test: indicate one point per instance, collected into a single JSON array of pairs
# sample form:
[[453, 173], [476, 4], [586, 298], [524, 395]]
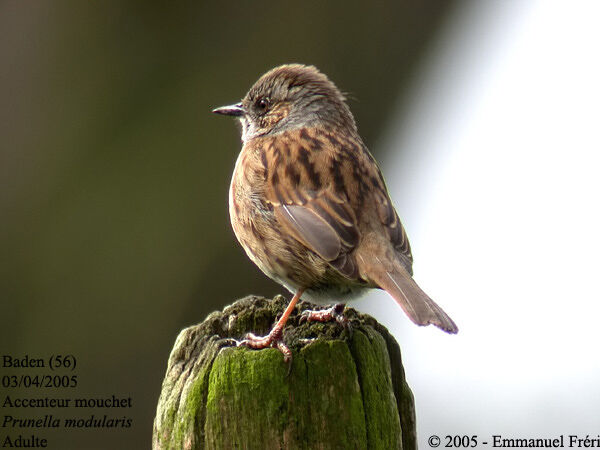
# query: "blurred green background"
[[114, 230]]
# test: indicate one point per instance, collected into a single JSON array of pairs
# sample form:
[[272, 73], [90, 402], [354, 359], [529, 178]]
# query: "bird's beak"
[[231, 110]]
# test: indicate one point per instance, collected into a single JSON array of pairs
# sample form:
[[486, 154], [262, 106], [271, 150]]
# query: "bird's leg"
[[326, 315], [275, 337]]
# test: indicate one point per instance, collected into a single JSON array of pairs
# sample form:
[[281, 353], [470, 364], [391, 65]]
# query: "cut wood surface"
[[345, 389]]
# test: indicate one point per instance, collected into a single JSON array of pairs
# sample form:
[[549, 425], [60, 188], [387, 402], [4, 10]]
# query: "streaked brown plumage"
[[308, 202]]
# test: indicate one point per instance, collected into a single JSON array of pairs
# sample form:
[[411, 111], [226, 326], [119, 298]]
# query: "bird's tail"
[[417, 305]]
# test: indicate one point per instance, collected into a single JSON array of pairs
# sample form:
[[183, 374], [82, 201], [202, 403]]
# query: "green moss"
[[252, 403], [373, 367], [247, 399], [189, 427], [333, 409], [340, 393]]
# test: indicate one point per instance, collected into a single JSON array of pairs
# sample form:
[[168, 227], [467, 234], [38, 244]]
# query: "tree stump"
[[346, 387]]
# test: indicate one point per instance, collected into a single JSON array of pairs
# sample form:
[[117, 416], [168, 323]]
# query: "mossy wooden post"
[[345, 390]]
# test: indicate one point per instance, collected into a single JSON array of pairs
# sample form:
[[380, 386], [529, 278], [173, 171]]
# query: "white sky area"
[[494, 167]]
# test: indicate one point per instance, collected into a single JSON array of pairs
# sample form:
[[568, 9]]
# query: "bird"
[[309, 205]]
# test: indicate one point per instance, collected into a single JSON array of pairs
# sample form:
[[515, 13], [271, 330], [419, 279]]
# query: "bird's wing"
[[303, 183], [321, 186], [394, 229], [326, 225]]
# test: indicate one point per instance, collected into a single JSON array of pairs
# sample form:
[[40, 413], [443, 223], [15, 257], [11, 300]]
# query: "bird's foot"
[[273, 339], [336, 312]]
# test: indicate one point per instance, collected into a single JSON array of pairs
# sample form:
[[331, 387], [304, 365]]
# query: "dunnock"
[[309, 204]]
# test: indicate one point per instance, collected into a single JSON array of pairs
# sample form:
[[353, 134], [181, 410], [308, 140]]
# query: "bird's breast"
[[246, 198]]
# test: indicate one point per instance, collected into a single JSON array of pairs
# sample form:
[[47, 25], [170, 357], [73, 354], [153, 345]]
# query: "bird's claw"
[[273, 339], [230, 342], [325, 315], [336, 312], [305, 316]]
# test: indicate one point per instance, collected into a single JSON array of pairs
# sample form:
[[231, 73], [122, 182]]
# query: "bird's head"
[[289, 97]]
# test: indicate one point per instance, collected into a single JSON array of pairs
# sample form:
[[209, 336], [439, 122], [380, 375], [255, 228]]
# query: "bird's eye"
[[262, 103]]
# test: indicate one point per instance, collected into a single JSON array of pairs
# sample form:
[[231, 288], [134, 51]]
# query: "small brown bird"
[[309, 204]]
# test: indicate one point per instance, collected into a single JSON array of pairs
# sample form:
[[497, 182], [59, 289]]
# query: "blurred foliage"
[[114, 230]]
